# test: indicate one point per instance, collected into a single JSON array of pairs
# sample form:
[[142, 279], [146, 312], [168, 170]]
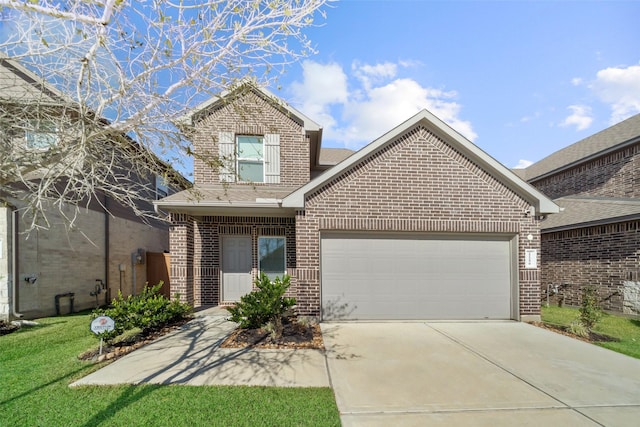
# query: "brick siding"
[[196, 251], [418, 183], [613, 175], [602, 256], [252, 115]]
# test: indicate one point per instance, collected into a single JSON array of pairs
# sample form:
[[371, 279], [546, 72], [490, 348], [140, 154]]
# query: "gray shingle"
[[624, 132], [228, 195], [333, 156], [580, 212]]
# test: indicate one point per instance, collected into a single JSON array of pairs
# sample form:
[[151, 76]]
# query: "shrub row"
[[148, 311]]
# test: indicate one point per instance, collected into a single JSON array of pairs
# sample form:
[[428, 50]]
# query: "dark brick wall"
[[613, 175], [420, 184], [602, 256], [201, 258], [252, 115]]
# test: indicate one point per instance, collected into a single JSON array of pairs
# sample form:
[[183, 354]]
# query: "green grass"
[[38, 363], [627, 330]]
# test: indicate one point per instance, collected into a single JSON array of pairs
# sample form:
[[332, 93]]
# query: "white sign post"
[[102, 324]]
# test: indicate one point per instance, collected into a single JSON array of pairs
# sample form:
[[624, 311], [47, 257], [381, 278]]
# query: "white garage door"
[[397, 276]]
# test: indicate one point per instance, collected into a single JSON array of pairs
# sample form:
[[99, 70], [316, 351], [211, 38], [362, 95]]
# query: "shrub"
[[264, 305], [148, 311], [578, 328], [590, 311]]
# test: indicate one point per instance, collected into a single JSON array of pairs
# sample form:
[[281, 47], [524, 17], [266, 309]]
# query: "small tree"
[[124, 72], [265, 305], [590, 311]]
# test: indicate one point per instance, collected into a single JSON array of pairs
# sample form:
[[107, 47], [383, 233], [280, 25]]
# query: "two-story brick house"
[[595, 239], [419, 224], [109, 248]]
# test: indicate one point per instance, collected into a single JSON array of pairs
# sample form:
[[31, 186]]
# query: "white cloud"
[[576, 81], [580, 117], [620, 88], [322, 86], [375, 102], [523, 164]]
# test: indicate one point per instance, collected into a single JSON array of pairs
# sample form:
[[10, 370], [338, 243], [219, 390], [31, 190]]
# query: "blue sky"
[[520, 79]]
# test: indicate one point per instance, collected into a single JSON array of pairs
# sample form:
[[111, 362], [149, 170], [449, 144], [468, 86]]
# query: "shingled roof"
[[624, 133], [584, 211]]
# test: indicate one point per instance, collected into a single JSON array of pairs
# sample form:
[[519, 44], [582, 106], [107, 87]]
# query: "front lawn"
[[627, 330], [38, 363]]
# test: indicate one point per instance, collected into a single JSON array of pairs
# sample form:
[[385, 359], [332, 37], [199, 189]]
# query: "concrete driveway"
[[405, 374], [476, 373]]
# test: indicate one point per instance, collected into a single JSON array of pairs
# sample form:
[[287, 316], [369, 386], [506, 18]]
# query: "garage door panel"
[[397, 277]]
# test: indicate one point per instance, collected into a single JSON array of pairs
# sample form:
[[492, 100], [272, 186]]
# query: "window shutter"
[[226, 156], [272, 158]]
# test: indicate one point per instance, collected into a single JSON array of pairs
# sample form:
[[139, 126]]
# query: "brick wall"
[[252, 115], [613, 175], [417, 183], [196, 251], [603, 256]]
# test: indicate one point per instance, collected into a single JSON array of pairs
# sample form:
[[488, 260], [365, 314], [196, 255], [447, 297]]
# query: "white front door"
[[236, 267]]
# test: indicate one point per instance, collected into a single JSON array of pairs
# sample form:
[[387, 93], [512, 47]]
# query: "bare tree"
[[109, 78]]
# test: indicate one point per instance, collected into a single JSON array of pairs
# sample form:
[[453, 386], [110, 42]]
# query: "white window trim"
[[252, 160]]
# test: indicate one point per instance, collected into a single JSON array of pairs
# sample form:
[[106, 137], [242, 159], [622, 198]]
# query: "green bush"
[[264, 305], [148, 311], [590, 311], [578, 328]]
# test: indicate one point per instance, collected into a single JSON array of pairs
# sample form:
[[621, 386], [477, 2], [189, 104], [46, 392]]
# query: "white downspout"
[[14, 266]]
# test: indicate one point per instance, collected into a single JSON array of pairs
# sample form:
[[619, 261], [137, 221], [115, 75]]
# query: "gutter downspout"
[[107, 296], [15, 295]]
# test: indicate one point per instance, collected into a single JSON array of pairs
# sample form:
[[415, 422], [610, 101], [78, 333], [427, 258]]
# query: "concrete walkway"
[[476, 373], [410, 374], [192, 356]]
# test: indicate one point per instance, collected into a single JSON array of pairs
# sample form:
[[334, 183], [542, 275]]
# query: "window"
[[250, 158], [272, 256], [42, 134], [162, 189]]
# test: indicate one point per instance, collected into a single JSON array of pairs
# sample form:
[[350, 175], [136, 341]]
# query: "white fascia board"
[[542, 204], [261, 207]]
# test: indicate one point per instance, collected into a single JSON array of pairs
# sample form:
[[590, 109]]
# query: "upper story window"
[[250, 157], [162, 189], [41, 134]]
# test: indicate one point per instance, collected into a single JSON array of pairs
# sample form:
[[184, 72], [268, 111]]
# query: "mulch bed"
[[119, 349], [592, 338], [295, 335], [7, 328]]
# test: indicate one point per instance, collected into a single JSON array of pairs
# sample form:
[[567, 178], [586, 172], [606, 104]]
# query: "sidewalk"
[[192, 355]]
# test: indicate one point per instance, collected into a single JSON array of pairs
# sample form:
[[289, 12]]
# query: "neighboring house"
[[419, 224], [102, 253], [595, 239]]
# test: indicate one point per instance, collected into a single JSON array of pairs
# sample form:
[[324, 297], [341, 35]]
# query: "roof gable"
[[541, 203], [620, 135], [192, 116]]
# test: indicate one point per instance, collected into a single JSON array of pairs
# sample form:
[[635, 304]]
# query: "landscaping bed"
[[295, 335], [619, 333], [7, 328], [593, 337], [127, 345]]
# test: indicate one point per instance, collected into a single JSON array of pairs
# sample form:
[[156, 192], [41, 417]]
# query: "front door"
[[236, 267]]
